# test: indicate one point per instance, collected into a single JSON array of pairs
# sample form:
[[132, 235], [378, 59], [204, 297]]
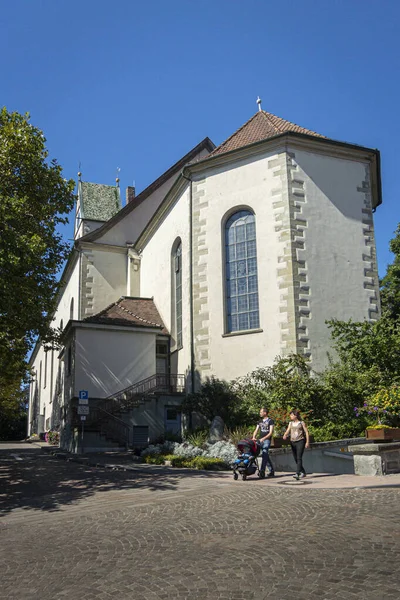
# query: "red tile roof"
[[130, 312], [261, 126]]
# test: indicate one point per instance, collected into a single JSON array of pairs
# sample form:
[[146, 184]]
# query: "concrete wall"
[[107, 361], [323, 457]]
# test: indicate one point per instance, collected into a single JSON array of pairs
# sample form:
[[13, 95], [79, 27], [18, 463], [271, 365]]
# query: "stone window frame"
[[176, 294], [229, 327]]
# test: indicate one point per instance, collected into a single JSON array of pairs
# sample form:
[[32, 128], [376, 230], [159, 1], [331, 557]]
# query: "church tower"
[[96, 203]]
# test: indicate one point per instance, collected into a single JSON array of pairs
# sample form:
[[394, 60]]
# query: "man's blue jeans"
[[265, 459]]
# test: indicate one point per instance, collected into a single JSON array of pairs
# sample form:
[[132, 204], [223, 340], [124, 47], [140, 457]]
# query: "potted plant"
[[383, 408]]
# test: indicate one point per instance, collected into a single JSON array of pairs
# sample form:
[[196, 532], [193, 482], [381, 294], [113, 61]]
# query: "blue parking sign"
[[83, 395]]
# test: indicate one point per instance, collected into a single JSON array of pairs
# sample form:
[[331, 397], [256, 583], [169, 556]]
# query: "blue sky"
[[135, 84]]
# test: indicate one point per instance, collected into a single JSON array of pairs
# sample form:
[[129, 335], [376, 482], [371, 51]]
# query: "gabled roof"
[[261, 126], [205, 144], [130, 312], [98, 202]]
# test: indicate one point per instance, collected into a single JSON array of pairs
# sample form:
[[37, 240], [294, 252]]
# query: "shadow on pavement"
[[39, 481]]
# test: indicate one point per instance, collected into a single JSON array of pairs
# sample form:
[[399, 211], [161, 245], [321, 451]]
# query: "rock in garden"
[[216, 430]]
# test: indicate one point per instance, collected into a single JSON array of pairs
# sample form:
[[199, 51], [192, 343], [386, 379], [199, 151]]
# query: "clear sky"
[[136, 84]]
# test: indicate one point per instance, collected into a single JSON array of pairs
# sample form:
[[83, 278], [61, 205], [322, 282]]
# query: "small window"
[[45, 370], [69, 360], [71, 309], [172, 414], [161, 349]]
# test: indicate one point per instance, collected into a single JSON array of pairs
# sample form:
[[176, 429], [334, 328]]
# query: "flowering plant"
[[281, 418], [382, 406]]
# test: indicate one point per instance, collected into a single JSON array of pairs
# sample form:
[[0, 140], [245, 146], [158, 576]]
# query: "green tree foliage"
[[390, 285], [369, 349], [288, 383], [215, 398], [34, 199]]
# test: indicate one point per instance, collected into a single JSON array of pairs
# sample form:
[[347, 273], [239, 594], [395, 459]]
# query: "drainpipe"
[[192, 357]]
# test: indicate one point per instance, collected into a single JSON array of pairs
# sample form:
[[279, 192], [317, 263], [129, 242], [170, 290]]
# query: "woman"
[[299, 439]]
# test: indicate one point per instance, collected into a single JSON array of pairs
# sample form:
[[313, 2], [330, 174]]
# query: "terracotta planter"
[[383, 435]]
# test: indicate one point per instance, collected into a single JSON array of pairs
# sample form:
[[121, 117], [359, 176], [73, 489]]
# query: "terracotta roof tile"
[[130, 312], [261, 126]]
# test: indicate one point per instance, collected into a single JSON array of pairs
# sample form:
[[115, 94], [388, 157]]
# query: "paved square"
[[74, 531]]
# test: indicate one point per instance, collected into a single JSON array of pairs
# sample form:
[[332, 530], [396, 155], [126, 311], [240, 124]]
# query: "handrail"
[[129, 398], [158, 381], [114, 426]]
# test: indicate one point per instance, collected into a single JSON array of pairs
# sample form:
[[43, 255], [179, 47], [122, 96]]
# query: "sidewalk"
[[126, 461]]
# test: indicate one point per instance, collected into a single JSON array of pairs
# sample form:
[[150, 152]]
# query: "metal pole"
[[83, 429]]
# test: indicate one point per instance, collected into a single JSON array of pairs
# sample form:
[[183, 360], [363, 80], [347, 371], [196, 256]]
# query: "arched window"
[[177, 295], [241, 272], [71, 309]]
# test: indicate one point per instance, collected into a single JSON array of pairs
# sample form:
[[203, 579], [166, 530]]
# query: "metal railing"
[[105, 415], [160, 382]]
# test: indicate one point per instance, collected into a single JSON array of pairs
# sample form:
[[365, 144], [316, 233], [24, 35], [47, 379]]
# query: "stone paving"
[[75, 531]]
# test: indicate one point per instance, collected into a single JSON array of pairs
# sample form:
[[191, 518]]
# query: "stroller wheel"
[[235, 476], [244, 477]]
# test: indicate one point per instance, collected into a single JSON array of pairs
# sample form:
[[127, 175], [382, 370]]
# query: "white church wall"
[[67, 308], [156, 273], [339, 248], [250, 183], [107, 361], [104, 276], [130, 227]]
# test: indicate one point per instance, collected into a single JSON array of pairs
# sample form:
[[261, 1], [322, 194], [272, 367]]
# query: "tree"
[[34, 200], [288, 384], [390, 285], [215, 398]]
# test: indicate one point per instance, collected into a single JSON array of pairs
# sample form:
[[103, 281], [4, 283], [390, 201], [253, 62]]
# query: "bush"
[[155, 459], [223, 450], [197, 438], [337, 431], [53, 438], [208, 464], [235, 435]]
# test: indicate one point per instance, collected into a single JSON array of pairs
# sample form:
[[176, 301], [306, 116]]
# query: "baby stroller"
[[246, 463]]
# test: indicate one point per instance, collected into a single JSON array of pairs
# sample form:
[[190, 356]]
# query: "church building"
[[235, 255]]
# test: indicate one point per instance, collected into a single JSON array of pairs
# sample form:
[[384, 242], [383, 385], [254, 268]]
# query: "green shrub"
[[177, 461], [197, 438], [336, 431], [239, 433], [154, 459], [208, 464]]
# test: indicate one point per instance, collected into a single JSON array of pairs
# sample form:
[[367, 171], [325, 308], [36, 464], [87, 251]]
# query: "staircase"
[[106, 418]]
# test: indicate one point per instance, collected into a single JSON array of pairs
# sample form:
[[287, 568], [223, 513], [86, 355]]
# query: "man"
[[266, 429]]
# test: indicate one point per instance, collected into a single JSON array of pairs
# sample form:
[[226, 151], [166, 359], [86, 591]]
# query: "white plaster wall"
[[129, 228], [248, 183], [334, 244], [110, 360], [46, 390], [156, 272], [109, 274]]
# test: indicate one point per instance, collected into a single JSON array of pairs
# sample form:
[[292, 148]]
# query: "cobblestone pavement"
[[73, 531]]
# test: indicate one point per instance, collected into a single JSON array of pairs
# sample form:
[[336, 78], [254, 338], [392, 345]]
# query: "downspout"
[[192, 357]]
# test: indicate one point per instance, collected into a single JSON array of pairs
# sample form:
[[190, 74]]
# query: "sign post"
[[83, 410]]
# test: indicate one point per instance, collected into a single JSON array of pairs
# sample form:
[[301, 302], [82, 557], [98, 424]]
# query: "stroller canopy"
[[248, 446]]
